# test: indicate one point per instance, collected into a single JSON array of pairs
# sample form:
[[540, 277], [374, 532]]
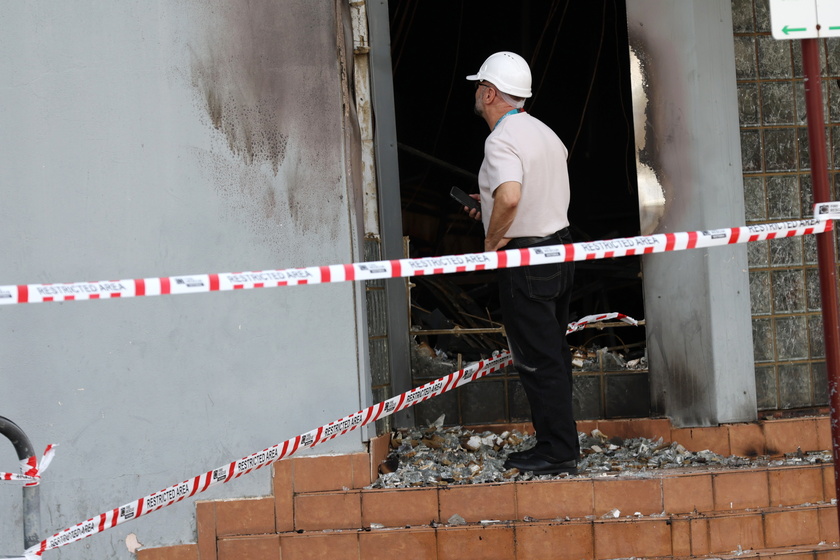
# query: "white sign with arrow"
[[805, 19]]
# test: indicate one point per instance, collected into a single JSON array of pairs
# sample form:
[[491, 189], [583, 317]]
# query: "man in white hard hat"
[[524, 194]]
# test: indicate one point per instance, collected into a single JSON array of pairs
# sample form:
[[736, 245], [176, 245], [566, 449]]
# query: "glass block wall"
[[784, 285]]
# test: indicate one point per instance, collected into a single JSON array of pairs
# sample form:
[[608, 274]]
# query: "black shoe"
[[519, 455], [538, 463]]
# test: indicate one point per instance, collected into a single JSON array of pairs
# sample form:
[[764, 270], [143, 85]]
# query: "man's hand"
[[474, 213], [498, 246]]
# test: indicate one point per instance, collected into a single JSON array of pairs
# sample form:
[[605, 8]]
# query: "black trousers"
[[535, 310]]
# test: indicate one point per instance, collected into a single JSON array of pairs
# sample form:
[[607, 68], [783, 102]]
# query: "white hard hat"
[[508, 72]]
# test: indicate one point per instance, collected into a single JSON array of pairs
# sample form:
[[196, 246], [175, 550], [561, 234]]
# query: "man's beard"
[[478, 108]]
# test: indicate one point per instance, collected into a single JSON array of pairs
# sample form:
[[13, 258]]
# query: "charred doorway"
[[579, 59]]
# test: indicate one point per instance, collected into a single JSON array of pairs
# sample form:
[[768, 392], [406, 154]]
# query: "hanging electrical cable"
[[556, 34], [592, 81], [400, 35], [627, 122]]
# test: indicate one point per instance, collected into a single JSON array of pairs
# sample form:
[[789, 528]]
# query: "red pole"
[[825, 241]]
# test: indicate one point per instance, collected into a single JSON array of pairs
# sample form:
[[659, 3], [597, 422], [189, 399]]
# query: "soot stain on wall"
[[265, 73], [239, 76]]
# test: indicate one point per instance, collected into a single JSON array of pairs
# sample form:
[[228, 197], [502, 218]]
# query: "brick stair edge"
[[815, 550], [669, 519], [774, 437]]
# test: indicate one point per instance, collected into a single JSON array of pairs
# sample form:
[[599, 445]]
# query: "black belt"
[[522, 242]]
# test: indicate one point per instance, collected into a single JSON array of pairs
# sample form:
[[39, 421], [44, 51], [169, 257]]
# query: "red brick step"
[[320, 508]]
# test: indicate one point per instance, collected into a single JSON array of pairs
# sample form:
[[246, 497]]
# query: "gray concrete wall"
[[697, 303], [153, 139]]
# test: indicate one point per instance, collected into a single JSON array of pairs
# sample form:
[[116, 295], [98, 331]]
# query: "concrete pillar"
[[697, 304]]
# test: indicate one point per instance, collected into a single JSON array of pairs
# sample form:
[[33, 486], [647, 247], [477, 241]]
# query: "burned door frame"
[[389, 243]]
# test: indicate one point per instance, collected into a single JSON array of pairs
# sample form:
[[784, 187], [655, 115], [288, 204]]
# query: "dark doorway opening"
[[579, 58]]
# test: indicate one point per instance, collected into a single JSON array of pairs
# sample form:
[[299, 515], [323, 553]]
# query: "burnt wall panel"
[[145, 139]]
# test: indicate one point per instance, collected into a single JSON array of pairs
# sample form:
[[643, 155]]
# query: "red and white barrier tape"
[[235, 469], [581, 324], [199, 283], [629, 246], [31, 469]]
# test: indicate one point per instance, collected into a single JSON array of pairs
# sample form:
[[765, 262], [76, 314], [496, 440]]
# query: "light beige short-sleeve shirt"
[[523, 149]]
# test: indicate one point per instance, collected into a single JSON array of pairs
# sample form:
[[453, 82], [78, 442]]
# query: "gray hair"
[[515, 102]]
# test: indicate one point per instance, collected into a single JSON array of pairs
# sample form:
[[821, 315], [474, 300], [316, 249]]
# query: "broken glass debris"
[[438, 456]]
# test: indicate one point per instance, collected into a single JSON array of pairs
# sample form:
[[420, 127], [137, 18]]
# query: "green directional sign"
[[828, 16], [793, 19], [788, 30], [804, 19]]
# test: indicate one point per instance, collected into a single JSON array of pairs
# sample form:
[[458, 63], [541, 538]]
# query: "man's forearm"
[[499, 224], [505, 204]]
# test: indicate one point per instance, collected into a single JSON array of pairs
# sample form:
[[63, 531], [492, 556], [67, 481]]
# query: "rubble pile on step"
[[437, 456]]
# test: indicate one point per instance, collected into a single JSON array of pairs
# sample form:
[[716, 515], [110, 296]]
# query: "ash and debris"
[[598, 358], [438, 456], [427, 361]]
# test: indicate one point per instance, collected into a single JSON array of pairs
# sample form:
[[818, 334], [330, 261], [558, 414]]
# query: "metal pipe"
[[31, 494], [825, 241], [458, 331]]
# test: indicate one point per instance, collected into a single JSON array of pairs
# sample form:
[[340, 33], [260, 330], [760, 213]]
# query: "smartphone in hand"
[[464, 199]]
